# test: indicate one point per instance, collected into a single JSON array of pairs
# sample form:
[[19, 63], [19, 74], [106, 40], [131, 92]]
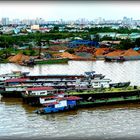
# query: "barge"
[[55, 104], [93, 89], [60, 82]]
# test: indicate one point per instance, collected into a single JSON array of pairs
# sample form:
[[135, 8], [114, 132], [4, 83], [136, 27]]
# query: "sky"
[[69, 10]]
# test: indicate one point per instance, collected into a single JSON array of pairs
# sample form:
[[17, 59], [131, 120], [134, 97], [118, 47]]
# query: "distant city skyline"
[[90, 10]]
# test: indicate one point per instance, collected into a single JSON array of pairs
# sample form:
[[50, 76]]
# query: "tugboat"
[[59, 104], [119, 59]]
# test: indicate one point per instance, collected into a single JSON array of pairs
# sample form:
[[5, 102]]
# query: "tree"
[[126, 44], [106, 37], [137, 42], [32, 52], [97, 38], [71, 51], [40, 45], [30, 46]]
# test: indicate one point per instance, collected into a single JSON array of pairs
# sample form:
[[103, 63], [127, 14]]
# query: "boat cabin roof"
[[49, 104], [55, 76], [16, 80], [101, 80], [39, 88]]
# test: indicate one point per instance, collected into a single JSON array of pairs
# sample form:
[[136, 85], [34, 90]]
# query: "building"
[[5, 21], [35, 27]]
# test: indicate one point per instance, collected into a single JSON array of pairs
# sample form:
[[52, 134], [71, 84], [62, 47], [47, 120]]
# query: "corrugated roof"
[[48, 104], [48, 97], [73, 98], [40, 88], [16, 80]]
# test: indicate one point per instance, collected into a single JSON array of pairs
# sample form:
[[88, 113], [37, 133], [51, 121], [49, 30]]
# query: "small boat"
[[119, 85], [13, 75], [58, 104], [119, 59]]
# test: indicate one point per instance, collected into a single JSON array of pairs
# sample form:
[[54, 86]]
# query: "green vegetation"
[[53, 61], [71, 51], [106, 90], [9, 43], [30, 52]]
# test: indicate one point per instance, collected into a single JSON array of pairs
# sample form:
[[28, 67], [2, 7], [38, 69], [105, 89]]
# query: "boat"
[[59, 104], [59, 82], [36, 96], [120, 84], [109, 101], [107, 95], [118, 59], [12, 75], [47, 61]]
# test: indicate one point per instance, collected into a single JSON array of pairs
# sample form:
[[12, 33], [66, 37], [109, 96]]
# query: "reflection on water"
[[117, 121], [18, 120]]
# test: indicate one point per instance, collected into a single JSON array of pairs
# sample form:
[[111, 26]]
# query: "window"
[[42, 93], [96, 84], [49, 92]]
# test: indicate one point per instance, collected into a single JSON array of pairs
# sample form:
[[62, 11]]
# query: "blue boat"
[[59, 104]]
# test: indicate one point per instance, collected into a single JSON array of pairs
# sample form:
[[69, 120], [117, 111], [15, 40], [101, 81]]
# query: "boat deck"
[[110, 100], [106, 90]]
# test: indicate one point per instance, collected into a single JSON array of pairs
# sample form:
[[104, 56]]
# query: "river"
[[17, 119]]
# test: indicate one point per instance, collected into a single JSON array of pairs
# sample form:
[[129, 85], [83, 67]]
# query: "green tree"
[[71, 51], [30, 47], [137, 42], [39, 44], [126, 44]]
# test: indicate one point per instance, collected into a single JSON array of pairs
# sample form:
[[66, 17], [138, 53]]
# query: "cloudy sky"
[[70, 10]]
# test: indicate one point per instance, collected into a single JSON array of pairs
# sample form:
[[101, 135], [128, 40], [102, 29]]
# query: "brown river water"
[[17, 119]]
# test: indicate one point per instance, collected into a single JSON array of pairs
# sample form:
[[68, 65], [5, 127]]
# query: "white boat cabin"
[[100, 83], [8, 76], [39, 91], [50, 99], [62, 103], [15, 88]]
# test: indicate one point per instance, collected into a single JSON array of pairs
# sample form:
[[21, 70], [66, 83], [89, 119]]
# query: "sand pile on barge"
[[100, 51], [115, 53], [70, 56], [18, 58], [131, 55], [131, 52]]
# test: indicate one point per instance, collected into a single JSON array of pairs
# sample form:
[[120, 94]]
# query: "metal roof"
[[16, 80], [39, 88]]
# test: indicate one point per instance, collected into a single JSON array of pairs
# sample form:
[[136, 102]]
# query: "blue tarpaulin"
[[76, 43]]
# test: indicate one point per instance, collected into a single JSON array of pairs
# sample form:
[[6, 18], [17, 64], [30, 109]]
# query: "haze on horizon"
[[70, 10]]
